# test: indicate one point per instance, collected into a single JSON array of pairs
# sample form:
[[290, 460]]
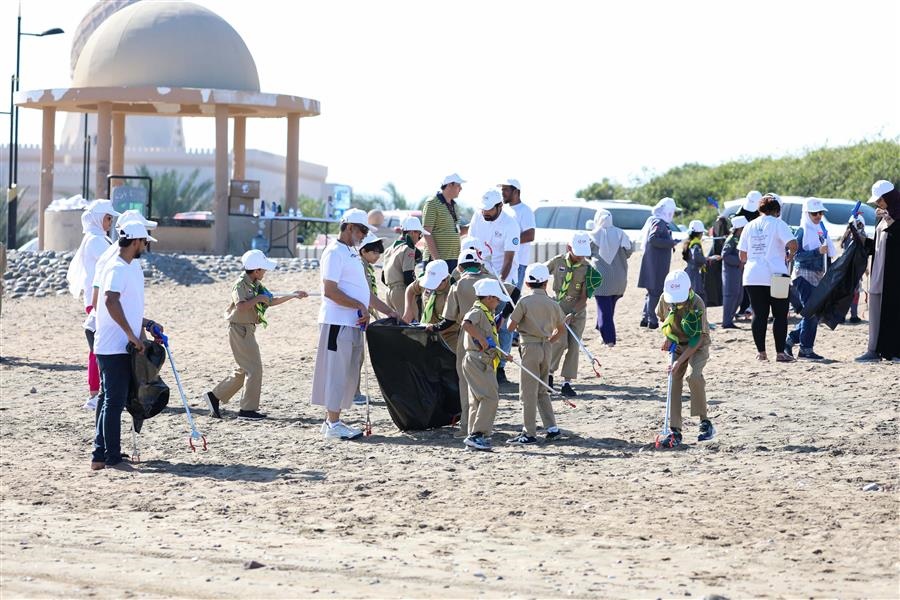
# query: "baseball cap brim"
[[675, 298]]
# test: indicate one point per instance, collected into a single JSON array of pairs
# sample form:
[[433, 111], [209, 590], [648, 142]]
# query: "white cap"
[[812, 205], [435, 273], [696, 226], [491, 199], [536, 273], [580, 244], [255, 259], [413, 224], [677, 287], [512, 183], [356, 217], [134, 216], [490, 287], [773, 195], [469, 255], [751, 202], [453, 178], [739, 221], [474, 243], [135, 231], [101, 206], [879, 189], [370, 238]]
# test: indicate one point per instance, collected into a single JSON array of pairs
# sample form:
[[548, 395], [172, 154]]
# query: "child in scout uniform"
[[481, 360], [249, 301], [370, 251], [539, 321], [460, 298], [732, 274], [574, 281], [682, 316], [400, 262], [431, 290]]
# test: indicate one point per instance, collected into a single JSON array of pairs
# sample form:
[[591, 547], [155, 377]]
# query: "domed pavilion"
[[168, 59]]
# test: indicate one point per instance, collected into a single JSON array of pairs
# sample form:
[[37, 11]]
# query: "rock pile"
[[40, 274]]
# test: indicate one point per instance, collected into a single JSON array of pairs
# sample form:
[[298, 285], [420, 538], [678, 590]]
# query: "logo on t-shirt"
[[515, 241]]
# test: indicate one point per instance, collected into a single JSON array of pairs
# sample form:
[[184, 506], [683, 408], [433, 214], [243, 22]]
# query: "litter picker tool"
[[368, 431], [665, 439], [195, 435], [568, 402]]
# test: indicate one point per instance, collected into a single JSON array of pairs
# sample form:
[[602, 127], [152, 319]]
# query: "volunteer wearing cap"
[[658, 245], [441, 221], [524, 216], [96, 221], [814, 246], [684, 322], [249, 301], [400, 262], [732, 273], [767, 246], [749, 210], [611, 249], [370, 251], [430, 291], [460, 299], [481, 361], [695, 260], [570, 273], [540, 322], [884, 293], [120, 322], [344, 310]]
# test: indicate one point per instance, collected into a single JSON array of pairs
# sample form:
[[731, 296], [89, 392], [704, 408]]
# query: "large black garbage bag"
[[831, 299], [147, 395], [416, 372]]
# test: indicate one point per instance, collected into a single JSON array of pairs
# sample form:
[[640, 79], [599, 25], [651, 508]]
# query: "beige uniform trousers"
[[484, 395], [696, 383], [248, 372], [535, 397], [396, 297], [463, 386], [568, 345]]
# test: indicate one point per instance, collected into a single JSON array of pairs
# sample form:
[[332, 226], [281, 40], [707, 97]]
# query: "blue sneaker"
[[707, 431]]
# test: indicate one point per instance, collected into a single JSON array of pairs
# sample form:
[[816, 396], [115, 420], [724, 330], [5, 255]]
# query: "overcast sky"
[[557, 94]]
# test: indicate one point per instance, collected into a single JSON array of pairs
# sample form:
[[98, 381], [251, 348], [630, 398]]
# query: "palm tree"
[[174, 193], [26, 219]]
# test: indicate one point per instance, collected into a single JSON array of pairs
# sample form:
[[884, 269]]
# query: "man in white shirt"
[[524, 216], [343, 314], [120, 321]]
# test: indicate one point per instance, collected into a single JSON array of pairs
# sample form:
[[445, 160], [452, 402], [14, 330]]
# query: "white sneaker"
[[91, 403], [340, 431]]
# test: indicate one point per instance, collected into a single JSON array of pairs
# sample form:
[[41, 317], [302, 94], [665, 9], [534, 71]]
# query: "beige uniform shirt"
[[398, 259], [440, 300], [462, 297], [576, 291], [696, 303], [479, 320], [243, 289], [537, 315]]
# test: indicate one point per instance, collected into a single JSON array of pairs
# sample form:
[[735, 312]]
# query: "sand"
[[774, 506]]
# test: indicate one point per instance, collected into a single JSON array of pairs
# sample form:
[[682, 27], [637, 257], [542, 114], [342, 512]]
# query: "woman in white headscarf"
[[658, 245], [610, 251], [814, 246], [96, 221]]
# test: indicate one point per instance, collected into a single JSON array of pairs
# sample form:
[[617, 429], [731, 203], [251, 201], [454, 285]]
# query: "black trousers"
[[761, 301]]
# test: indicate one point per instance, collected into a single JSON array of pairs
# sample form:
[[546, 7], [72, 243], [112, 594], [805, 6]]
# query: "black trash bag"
[[147, 394], [416, 372], [831, 299]]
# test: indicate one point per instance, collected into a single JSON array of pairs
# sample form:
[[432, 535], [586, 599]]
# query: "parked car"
[[556, 220], [390, 230], [835, 219]]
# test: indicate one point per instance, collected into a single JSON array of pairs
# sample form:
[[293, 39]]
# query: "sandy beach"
[[773, 507]]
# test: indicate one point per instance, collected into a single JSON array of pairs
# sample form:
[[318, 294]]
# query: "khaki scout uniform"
[[242, 338], [566, 343], [536, 315], [440, 294], [696, 382], [462, 296], [398, 259], [480, 376]]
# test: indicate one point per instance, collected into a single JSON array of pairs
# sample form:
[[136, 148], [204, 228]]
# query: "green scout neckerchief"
[[370, 275], [691, 324], [258, 289], [494, 335], [428, 311], [570, 271]]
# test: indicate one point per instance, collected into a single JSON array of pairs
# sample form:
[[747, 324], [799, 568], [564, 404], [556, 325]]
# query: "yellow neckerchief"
[[691, 323], [570, 271], [428, 311], [370, 275], [697, 242], [494, 335], [258, 289]]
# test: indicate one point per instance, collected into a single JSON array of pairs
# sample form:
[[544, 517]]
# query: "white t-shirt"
[[343, 265], [764, 241], [93, 250], [525, 218], [109, 254], [500, 235], [128, 280]]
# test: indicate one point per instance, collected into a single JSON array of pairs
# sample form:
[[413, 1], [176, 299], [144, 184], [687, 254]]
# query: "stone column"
[[239, 148], [220, 206], [118, 145], [48, 155], [292, 162], [104, 122]]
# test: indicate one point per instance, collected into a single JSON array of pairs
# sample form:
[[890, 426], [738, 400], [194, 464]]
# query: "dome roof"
[[167, 44]]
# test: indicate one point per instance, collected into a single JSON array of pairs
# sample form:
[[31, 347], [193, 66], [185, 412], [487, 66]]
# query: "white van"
[[835, 219]]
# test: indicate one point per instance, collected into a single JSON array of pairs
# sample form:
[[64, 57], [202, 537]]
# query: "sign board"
[[244, 188], [130, 197]]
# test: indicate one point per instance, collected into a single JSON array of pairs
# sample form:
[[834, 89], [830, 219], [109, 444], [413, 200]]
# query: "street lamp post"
[[12, 189]]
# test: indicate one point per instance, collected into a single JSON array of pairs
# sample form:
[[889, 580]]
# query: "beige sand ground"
[[773, 507]]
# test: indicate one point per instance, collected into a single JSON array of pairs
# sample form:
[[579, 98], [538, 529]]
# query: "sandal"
[[762, 357], [785, 358]]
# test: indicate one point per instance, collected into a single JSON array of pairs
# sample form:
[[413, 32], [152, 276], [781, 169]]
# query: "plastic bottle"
[[262, 208], [274, 208]]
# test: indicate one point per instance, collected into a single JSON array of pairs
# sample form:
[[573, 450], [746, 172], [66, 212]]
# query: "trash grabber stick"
[[666, 432], [595, 363], [195, 435], [365, 378], [568, 402]]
